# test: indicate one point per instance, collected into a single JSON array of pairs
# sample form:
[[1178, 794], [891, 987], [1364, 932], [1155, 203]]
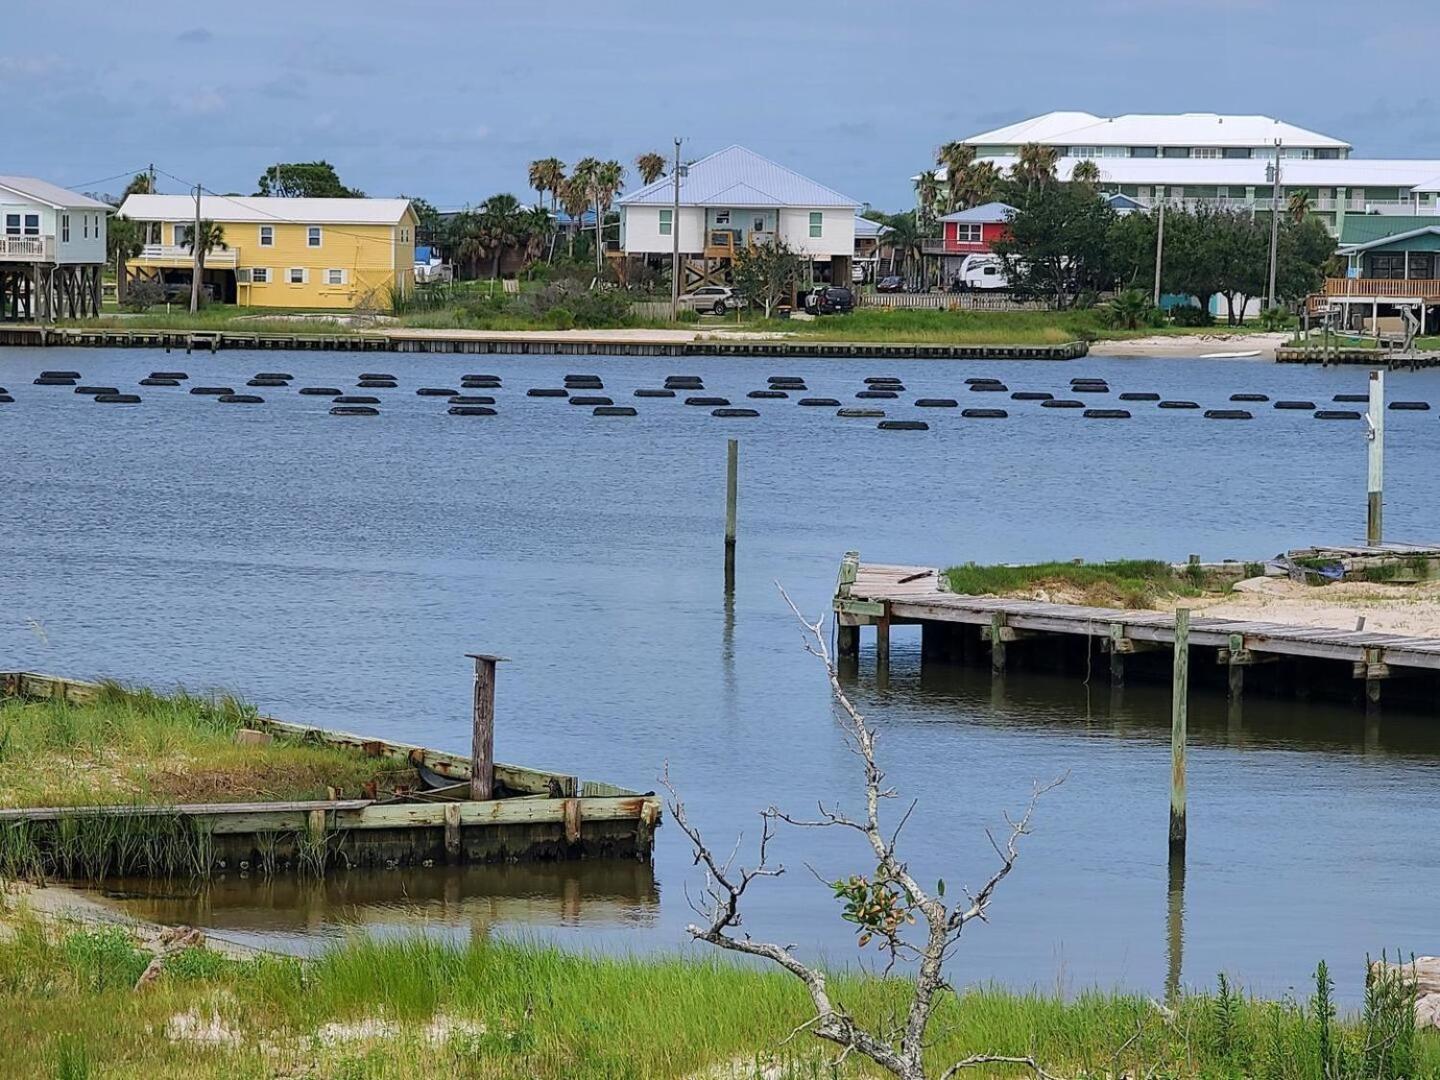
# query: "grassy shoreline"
[[1131, 583], [502, 1009]]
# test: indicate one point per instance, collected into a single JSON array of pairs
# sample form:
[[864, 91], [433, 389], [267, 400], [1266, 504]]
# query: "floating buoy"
[[830, 401], [54, 380], [984, 414], [1410, 406], [582, 378], [1062, 403], [615, 410], [768, 394], [1227, 414], [547, 391], [377, 384], [886, 394], [356, 399], [988, 387], [1249, 397], [1139, 395], [1351, 397], [707, 401], [377, 375], [1307, 405], [773, 379], [265, 381], [241, 399], [169, 375], [1179, 405], [6, 399], [1106, 414], [1031, 395], [480, 384], [1094, 380], [321, 391], [860, 413], [480, 378], [213, 390], [59, 374], [584, 385], [283, 376], [581, 399], [903, 425], [93, 390], [435, 391], [936, 403], [354, 410], [977, 381], [1336, 414], [875, 380], [684, 382], [470, 410], [118, 399], [1089, 388], [644, 392], [472, 399], [735, 412], [153, 381]]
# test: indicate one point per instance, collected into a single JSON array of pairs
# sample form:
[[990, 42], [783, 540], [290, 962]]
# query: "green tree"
[[202, 238], [764, 274], [650, 166], [1058, 242], [501, 227], [1298, 205], [1085, 172], [1242, 246], [927, 192], [124, 240], [305, 180], [426, 216], [1304, 251], [547, 174], [905, 240], [1132, 250], [1035, 166]]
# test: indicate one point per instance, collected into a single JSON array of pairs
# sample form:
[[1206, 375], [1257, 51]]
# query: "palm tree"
[[651, 166], [547, 174], [955, 158], [574, 195], [975, 185], [536, 227], [1085, 172], [904, 239], [465, 239], [1035, 166], [142, 183], [204, 237], [1299, 205], [608, 178], [927, 188], [501, 225]]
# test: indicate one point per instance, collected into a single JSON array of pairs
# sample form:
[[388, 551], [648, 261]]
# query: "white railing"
[[223, 256], [28, 248]]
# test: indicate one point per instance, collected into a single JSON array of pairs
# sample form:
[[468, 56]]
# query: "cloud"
[[196, 35], [29, 66]]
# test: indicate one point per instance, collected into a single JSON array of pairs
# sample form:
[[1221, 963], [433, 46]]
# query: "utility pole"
[[1275, 221], [1375, 489], [1159, 251], [675, 239], [195, 257], [152, 179]]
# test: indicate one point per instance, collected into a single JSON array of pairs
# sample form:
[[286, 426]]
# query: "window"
[[12, 224], [267, 235], [182, 235], [757, 223], [32, 224], [817, 223], [297, 275], [312, 236], [1175, 152], [65, 228], [1084, 151], [1387, 266], [1234, 153], [334, 277], [966, 233], [85, 225], [667, 222], [1208, 152], [722, 217], [1142, 151], [260, 275]]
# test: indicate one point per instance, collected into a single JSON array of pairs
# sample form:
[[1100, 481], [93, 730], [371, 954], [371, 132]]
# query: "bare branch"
[[977, 1060]]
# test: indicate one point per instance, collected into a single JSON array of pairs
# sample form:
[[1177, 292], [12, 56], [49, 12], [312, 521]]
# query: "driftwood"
[[174, 940], [1423, 972]]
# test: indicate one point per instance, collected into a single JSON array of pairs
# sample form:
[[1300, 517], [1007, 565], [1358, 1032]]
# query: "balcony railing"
[[936, 245], [27, 248], [180, 254], [1380, 288]]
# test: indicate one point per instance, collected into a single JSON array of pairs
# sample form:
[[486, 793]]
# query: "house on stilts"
[[52, 250]]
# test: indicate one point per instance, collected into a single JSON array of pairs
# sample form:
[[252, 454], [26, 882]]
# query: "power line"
[[107, 179]]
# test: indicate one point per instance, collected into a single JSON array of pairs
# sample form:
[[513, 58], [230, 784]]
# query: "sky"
[[451, 100]]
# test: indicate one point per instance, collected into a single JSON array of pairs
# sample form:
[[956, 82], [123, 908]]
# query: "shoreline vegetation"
[[76, 1006], [1128, 583]]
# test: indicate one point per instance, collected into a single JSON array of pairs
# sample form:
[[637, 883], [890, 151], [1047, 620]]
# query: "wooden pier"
[[532, 815], [959, 627], [501, 344]]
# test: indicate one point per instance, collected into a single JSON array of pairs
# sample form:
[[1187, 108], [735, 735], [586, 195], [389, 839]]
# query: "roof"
[[1154, 129], [988, 213], [51, 194], [738, 177], [261, 209], [866, 227], [1251, 172], [1362, 231]]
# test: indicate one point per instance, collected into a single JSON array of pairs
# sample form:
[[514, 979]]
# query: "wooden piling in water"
[[1375, 486], [732, 492], [482, 732], [1180, 687]]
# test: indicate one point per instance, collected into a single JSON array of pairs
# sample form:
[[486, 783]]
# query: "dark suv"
[[830, 300]]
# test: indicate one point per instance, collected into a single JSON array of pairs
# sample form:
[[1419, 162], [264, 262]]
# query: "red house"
[[974, 231]]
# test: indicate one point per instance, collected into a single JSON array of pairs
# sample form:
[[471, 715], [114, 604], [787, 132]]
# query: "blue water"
[[337, 570]]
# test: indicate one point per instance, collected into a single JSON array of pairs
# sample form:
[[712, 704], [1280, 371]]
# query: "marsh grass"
[[1131, 583], [499, 1009]]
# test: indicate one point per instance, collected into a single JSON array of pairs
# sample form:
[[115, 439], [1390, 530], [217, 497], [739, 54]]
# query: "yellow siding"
[[371, 261]]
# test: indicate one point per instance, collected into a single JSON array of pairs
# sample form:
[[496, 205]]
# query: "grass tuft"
[[1131, 583]]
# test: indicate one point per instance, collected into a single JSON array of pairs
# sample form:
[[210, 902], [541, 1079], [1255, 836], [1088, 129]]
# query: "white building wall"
[[80, 248], [837, 230], [640, 230]]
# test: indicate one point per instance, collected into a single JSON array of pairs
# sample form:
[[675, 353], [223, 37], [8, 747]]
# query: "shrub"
[[1130, 310], [1191, 315], [1276, 318], [143, 294]]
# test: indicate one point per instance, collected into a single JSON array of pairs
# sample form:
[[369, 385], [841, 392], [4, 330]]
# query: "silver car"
[[712, 300]]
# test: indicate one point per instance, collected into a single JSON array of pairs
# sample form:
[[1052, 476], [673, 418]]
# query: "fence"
[[971, 301]]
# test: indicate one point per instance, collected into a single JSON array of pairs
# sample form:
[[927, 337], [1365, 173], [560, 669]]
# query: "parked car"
[[857, 274], [830, 300], [712, 300], [890, 283]]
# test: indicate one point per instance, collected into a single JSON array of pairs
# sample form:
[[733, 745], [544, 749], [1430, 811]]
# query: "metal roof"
[[51, 194], [262, 209], [740, 178], [1393, 238], [1251, 172], [1154, 129], [866, 227], [1362, 230], [988, 213]]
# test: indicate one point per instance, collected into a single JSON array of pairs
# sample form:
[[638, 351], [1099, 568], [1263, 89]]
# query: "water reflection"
[[1174, 926]]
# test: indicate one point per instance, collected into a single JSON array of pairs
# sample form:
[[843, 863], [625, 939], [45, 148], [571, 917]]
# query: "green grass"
[[137, 746], [413, 1008], [1133, 583], [215, 317]]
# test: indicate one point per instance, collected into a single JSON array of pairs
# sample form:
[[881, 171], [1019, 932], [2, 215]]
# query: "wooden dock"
[[533, 815], [883, 596]]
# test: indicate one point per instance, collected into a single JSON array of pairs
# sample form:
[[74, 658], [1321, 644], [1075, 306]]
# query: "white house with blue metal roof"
[[731, 199]]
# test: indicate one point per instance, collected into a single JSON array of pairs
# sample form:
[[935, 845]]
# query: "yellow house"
[[281, 253]]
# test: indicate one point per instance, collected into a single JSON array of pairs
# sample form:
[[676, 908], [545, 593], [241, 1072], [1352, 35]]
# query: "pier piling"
[[1180, 688], [1375, 488], [482, 732], [732, 492]]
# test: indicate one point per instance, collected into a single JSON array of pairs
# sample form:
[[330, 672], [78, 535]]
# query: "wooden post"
[[1376, 486], [482, 732], [1178, 703], [997, 643], [1174, 925], [732, 491], [882, 643], [1117, 658], [1236, 669]]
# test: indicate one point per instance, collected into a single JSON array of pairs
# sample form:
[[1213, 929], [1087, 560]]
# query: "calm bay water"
[[336, 571]]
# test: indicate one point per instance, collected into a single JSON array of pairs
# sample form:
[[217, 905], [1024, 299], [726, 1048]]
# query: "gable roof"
[[1154, 129], [1393, 238], [43, 191], [738, 177], [866, 227], [989, 213], [262, 209], [1363, 229]]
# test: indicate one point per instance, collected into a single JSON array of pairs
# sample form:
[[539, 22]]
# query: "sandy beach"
[[1194, 345]]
